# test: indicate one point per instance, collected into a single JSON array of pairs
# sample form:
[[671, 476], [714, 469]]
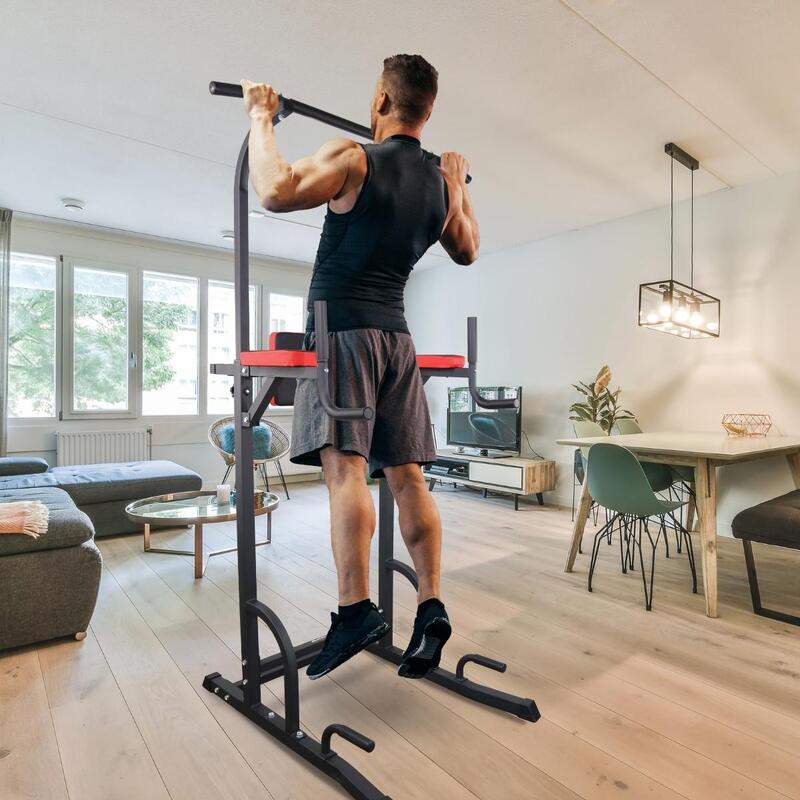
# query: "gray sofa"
[[102, 491], [48, 586]]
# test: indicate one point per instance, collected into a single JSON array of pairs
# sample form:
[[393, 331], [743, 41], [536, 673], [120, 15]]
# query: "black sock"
[[355, 610], [434, 602]]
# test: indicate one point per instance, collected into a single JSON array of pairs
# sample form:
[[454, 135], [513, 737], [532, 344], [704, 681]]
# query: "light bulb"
[[652, 318], [682, 313], [712, 326], [665, 309], [696, 319]]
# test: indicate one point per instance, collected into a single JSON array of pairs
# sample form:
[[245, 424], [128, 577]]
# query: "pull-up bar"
[[288, 106]]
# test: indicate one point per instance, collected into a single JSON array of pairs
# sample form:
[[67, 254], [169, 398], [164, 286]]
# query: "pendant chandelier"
[[670, 306]]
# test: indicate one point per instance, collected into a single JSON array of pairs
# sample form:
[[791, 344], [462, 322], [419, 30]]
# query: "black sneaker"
[[344, 640], [431, 632]]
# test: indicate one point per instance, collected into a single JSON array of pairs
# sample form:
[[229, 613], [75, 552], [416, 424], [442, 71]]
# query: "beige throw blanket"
[[27, 517]]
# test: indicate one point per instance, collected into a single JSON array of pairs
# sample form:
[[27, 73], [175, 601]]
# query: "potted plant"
[[599, 404]]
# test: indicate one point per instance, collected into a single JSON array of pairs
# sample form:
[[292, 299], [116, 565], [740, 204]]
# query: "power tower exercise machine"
[[278, 370]]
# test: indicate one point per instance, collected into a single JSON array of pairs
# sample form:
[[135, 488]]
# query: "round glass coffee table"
[[197, 509]]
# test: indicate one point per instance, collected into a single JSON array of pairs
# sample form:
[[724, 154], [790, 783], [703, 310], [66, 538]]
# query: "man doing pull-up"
[[388, 202]]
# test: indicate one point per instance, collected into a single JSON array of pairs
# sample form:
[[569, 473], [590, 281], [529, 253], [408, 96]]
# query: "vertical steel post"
[[243, 399], [385, 556]]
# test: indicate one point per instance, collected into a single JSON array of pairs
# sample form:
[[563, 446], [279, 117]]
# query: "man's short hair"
[[411, 84]]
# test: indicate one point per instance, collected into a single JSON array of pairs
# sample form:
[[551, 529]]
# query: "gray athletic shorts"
[[369, 367]]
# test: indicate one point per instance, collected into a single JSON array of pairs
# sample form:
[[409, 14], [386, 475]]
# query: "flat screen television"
[[469, 425]]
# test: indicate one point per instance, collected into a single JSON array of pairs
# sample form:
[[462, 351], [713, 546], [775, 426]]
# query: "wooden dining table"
[[704, 452]]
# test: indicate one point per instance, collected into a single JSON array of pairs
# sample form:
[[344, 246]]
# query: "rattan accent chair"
[[279, 447]]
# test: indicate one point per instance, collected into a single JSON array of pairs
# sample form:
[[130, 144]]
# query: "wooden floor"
[[667, 704]]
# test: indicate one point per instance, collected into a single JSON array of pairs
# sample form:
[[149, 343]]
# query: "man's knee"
[[340, 468], [404, 480]]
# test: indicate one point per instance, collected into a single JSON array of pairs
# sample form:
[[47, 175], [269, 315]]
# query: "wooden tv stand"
[[519, 477]]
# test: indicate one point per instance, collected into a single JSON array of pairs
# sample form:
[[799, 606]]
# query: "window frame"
[[279, 411], [286, 293], [57, 344], [65, 265], [134, 394], [202, 290], [258, 338]]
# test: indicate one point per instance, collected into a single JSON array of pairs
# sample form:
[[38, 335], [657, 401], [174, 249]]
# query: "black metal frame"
[[755, 593], [245, 694], [288, 106]]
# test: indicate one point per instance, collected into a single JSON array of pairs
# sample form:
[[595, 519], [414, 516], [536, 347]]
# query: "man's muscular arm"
[[333, 170], [461, 236]]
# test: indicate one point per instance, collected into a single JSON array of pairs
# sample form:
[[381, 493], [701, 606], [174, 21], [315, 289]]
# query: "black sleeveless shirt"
[[366, 254]]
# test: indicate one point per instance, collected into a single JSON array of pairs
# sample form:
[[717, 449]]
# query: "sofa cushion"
[[100, 483], [66, 526], [775, 521], [22, 465]]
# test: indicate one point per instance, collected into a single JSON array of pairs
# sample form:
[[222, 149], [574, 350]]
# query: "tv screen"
[[469, 425]]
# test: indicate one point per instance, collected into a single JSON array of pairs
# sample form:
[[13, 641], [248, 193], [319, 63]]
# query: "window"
[[100, 340], [32, 336], [286, 313], [169, 344], [222, 340]]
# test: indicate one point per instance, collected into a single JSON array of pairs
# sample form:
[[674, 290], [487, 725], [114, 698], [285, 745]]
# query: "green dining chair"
[[628, 426], [617, 481], [682, 475], [659, 475]]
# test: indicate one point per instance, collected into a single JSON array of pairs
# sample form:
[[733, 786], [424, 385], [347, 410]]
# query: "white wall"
[[180, 439], [554, 311]]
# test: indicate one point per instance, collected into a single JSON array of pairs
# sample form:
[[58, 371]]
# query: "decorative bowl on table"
[[746, 424]]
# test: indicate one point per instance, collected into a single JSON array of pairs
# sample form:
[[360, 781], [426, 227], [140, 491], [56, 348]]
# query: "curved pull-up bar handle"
[[322, 346], [289, 106], [347, 733], [484, 661], [472, 362]]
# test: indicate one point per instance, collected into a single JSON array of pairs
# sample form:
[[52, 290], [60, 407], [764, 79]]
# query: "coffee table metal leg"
[[201, 560], [199, 566]]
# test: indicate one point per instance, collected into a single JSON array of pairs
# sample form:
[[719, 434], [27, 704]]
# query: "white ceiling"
[[562, 106]]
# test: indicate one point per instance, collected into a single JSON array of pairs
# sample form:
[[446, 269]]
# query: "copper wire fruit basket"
[[746, 424]]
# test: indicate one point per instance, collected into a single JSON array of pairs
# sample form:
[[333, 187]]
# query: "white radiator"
[[102, 447]]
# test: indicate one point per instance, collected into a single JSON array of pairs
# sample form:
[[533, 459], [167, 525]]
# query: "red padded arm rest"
[[303, 358]]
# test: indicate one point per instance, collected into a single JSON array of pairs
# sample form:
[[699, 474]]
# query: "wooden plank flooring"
[[667, 704]]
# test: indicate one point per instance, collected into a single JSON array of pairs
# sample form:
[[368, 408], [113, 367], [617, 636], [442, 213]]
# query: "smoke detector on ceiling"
[[71, 204]]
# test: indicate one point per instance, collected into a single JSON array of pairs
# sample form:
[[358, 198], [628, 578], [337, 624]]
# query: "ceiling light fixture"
[[670, 306], [71, 204]]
